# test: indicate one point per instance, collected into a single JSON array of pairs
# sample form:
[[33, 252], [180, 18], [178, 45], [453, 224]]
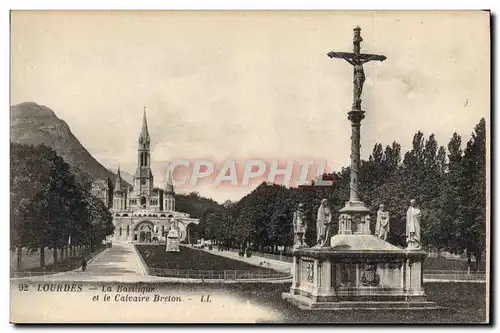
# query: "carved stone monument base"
[[300, 246], [172, 245], [172, 241], [413, 246], [358, 272], [354, 219]]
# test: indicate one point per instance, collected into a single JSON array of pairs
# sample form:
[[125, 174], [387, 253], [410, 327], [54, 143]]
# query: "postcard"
[[250, 167]]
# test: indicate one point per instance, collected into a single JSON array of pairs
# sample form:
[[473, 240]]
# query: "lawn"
[[450, 264], [155, 256], [463, 302]]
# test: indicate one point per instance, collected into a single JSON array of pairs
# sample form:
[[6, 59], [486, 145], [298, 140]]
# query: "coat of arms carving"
[[370, 276]]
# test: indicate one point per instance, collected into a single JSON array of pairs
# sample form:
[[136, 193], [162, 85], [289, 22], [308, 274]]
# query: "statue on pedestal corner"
[[413, 215], [382, 224], [323, 224], [173, 231], [299, 226], [155, 233], [173, 237]]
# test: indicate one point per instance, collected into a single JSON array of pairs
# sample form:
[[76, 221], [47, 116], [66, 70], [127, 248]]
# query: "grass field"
[[464, 303], [191, 259], [450, 264]]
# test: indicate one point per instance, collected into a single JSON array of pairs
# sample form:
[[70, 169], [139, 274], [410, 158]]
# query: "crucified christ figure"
[[357, 59]]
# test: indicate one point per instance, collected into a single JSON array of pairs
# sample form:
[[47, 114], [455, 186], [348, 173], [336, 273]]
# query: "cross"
[[357, 59]]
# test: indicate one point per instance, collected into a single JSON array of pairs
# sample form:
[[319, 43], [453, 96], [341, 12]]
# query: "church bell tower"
[[143, 177], [169, 194], [119, 202]]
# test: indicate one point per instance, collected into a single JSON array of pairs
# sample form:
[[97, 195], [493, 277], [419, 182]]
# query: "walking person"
[[84, 264]]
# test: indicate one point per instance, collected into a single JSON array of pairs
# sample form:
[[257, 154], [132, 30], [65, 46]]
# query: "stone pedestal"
[[358, 272], [354, 219], [172, 241]]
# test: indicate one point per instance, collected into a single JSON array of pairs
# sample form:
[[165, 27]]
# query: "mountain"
[[126, 176], [35, 124]]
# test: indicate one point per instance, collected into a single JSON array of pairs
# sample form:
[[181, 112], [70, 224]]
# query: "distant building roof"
[[99, 183]]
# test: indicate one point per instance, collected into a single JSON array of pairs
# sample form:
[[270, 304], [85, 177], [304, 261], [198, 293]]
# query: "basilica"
[[142, 213]]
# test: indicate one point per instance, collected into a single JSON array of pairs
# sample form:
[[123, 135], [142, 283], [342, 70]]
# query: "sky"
[[249, 85]]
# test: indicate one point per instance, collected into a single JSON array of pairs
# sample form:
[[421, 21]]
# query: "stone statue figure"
[[172, 225], [155, 233], [382, 224], [413, 226], [359, 80], [173, 236], [299, 226], [357, 61], [368, 220], [323, 223]]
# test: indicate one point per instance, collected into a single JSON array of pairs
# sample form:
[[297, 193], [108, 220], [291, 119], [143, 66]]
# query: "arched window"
[[128, 230], [120, 231]]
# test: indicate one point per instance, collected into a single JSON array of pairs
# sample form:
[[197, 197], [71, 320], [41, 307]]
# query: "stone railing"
[[233, 275], [454, 275]]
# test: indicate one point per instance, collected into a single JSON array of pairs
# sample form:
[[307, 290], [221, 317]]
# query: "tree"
[[48, 205], [450, 198], [30, 176], [471, 222], [448, 184], [433, 233]]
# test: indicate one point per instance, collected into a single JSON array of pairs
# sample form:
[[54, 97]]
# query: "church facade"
[[142, 213]]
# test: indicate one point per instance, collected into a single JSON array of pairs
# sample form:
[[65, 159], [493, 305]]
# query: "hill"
[[35, 124], [126, 176]]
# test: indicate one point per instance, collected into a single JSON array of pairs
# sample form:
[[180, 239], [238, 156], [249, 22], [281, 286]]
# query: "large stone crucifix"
[[355, 210], [357, 59]]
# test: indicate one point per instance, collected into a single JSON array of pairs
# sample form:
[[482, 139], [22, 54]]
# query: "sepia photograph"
[[258, 167]]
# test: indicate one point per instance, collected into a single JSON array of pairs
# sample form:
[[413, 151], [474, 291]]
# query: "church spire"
[[144, 130], [118, 182], [169, 187], [143, 177], [169, 197]]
